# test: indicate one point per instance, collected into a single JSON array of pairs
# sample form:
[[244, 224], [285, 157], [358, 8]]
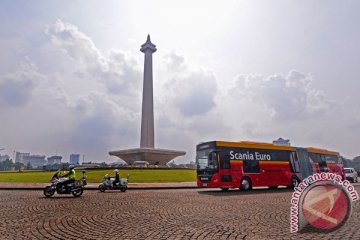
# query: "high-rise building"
[[54, 159], [74, 158]]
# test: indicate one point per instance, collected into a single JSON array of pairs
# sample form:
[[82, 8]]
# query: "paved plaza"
[[156, 214]]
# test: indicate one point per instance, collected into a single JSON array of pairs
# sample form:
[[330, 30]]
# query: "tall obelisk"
[[147, 116], [147, 152]]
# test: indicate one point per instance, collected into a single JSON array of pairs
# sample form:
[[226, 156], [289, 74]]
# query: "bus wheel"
[[294, 182], [245, 184], [224, 189]]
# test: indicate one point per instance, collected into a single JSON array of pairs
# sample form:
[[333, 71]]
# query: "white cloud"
[[290, 97], [121, 74], [175, 62], [74, 43], [190, 91], [196, 94], [118, 72], [16, 87]]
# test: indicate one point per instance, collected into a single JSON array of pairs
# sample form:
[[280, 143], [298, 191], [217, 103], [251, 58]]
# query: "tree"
[[28, 166], [65, 166], [6, 165], [347, 162], [18, 166]]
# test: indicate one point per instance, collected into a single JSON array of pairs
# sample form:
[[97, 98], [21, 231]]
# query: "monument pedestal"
[[151, 155]]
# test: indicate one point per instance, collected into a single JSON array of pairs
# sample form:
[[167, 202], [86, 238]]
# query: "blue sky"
[[71, 74]]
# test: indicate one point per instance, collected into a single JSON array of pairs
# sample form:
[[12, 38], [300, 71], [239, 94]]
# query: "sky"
[[71, 74]]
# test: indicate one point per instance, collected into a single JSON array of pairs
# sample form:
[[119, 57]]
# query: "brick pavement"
[[157, 214]]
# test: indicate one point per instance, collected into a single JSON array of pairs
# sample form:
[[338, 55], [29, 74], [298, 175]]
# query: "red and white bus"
[[245, 165]]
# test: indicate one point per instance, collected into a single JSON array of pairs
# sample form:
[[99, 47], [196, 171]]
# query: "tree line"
[[354, 163], [8, 165]]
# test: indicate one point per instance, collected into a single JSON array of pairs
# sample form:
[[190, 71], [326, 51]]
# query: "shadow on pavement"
[[238, 192]]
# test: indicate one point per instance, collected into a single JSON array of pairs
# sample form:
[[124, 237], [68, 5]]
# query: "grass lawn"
[[95, 176]]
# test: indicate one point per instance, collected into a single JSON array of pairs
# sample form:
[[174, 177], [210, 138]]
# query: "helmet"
[[116, 170], [71, 167]]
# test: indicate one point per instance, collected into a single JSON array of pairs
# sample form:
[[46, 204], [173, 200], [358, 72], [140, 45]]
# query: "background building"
[[19, 156], [282, 142], [4, 157], [74, 158], [34, 160], [54, 160]]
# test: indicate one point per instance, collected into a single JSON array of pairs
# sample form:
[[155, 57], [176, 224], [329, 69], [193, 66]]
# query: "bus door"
[[303, 163], [226, 177]]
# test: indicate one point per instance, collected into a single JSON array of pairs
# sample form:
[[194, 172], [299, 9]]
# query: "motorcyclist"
[[71, 175], [116, 177]]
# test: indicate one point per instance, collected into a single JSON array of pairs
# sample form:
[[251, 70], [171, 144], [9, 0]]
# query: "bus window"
[[331, 159], [251, 166], [224, 161], [315, 157]]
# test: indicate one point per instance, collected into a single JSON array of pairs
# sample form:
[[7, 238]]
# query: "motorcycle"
[[108, 184], [76, 188]]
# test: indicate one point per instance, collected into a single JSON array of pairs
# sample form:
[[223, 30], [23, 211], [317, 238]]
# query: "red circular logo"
[[325, 206]]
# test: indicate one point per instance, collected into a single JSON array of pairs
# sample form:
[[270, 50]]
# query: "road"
[[157, 214]]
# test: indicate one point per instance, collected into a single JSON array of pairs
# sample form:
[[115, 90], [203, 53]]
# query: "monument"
[[147, 151]]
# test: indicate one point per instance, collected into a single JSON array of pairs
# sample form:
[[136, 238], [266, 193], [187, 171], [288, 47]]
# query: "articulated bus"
[[245, 165]]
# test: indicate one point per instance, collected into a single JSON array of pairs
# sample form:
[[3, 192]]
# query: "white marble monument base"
[[152, 155]]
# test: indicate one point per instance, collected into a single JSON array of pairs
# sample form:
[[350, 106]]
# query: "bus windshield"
[[206, 159], [202, 159]]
